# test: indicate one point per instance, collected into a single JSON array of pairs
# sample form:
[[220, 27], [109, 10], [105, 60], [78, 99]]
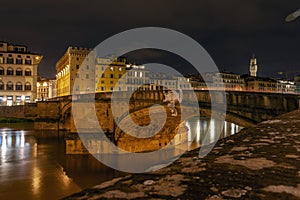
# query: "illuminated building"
[[67, 70], [108, 73], [297, 82], [52, 88], [137, 78], [42, 86], [160, 81], [228, 80], [46, 89], [285, 86], [18, 74], [259, 84], [253, 67]]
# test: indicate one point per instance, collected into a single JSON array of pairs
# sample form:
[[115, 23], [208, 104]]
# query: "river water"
[[33, 164]]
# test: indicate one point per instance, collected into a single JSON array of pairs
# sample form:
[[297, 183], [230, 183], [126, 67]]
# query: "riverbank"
[[261, 162]]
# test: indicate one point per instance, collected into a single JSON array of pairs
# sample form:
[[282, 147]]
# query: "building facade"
[[18, 74], [136, 78], [259, 84], [71, 67], [46, 89], [227, 80], [108, 73], [285, 86], [42, 86]]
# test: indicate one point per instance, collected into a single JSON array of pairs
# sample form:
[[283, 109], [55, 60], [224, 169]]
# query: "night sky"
[[230, 30]]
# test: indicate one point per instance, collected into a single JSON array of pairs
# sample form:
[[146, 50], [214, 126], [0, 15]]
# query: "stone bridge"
[[243, 108]]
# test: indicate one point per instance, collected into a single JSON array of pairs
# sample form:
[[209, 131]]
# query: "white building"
[[18, 74]]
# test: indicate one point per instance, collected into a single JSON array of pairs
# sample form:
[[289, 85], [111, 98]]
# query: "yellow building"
[[259, 84], [67, 70], [108, 73], [18, 74]]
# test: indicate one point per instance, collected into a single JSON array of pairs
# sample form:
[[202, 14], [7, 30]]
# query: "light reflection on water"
[[33, 164], [200, 128]]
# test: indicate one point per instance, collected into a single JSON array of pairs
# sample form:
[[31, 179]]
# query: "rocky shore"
[[261, 162]]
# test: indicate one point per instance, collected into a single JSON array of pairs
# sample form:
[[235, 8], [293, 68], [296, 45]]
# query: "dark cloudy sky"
[[230, 30]]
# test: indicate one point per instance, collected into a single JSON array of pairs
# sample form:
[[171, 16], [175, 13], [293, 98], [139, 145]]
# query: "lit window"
[[19, 72], [28, 86], [27, 72], [10, 71], [9, 86]]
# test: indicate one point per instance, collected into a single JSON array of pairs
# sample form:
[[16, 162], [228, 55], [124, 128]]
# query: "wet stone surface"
[[262, 162]]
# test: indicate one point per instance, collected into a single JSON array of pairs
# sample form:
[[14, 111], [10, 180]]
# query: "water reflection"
[[200, 128], [34, 164]]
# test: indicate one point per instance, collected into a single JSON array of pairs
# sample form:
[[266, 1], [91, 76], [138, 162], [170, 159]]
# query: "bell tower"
[[253, 66]]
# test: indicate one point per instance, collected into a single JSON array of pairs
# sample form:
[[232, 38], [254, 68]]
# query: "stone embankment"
[[261, 162]]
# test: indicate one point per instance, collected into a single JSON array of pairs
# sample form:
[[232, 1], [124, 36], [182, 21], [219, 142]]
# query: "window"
[[27, 62], [18, 100], [1, 60], [87, 76], [111, 76], [102, 76], [9, 100], [19, 72], [77, 75], [120, 75], [1, 85], [120, 69], [19, 61], [27, 86], [19, 86], [27, 72], [27, 99], [10, 61], [9, 86], [10, 71], [87, 67], [102, 82], [77, 66], [111, 68], [1, 71], [102, 88]]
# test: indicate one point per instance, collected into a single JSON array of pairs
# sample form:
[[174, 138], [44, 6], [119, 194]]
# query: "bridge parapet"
[[251, 106]]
